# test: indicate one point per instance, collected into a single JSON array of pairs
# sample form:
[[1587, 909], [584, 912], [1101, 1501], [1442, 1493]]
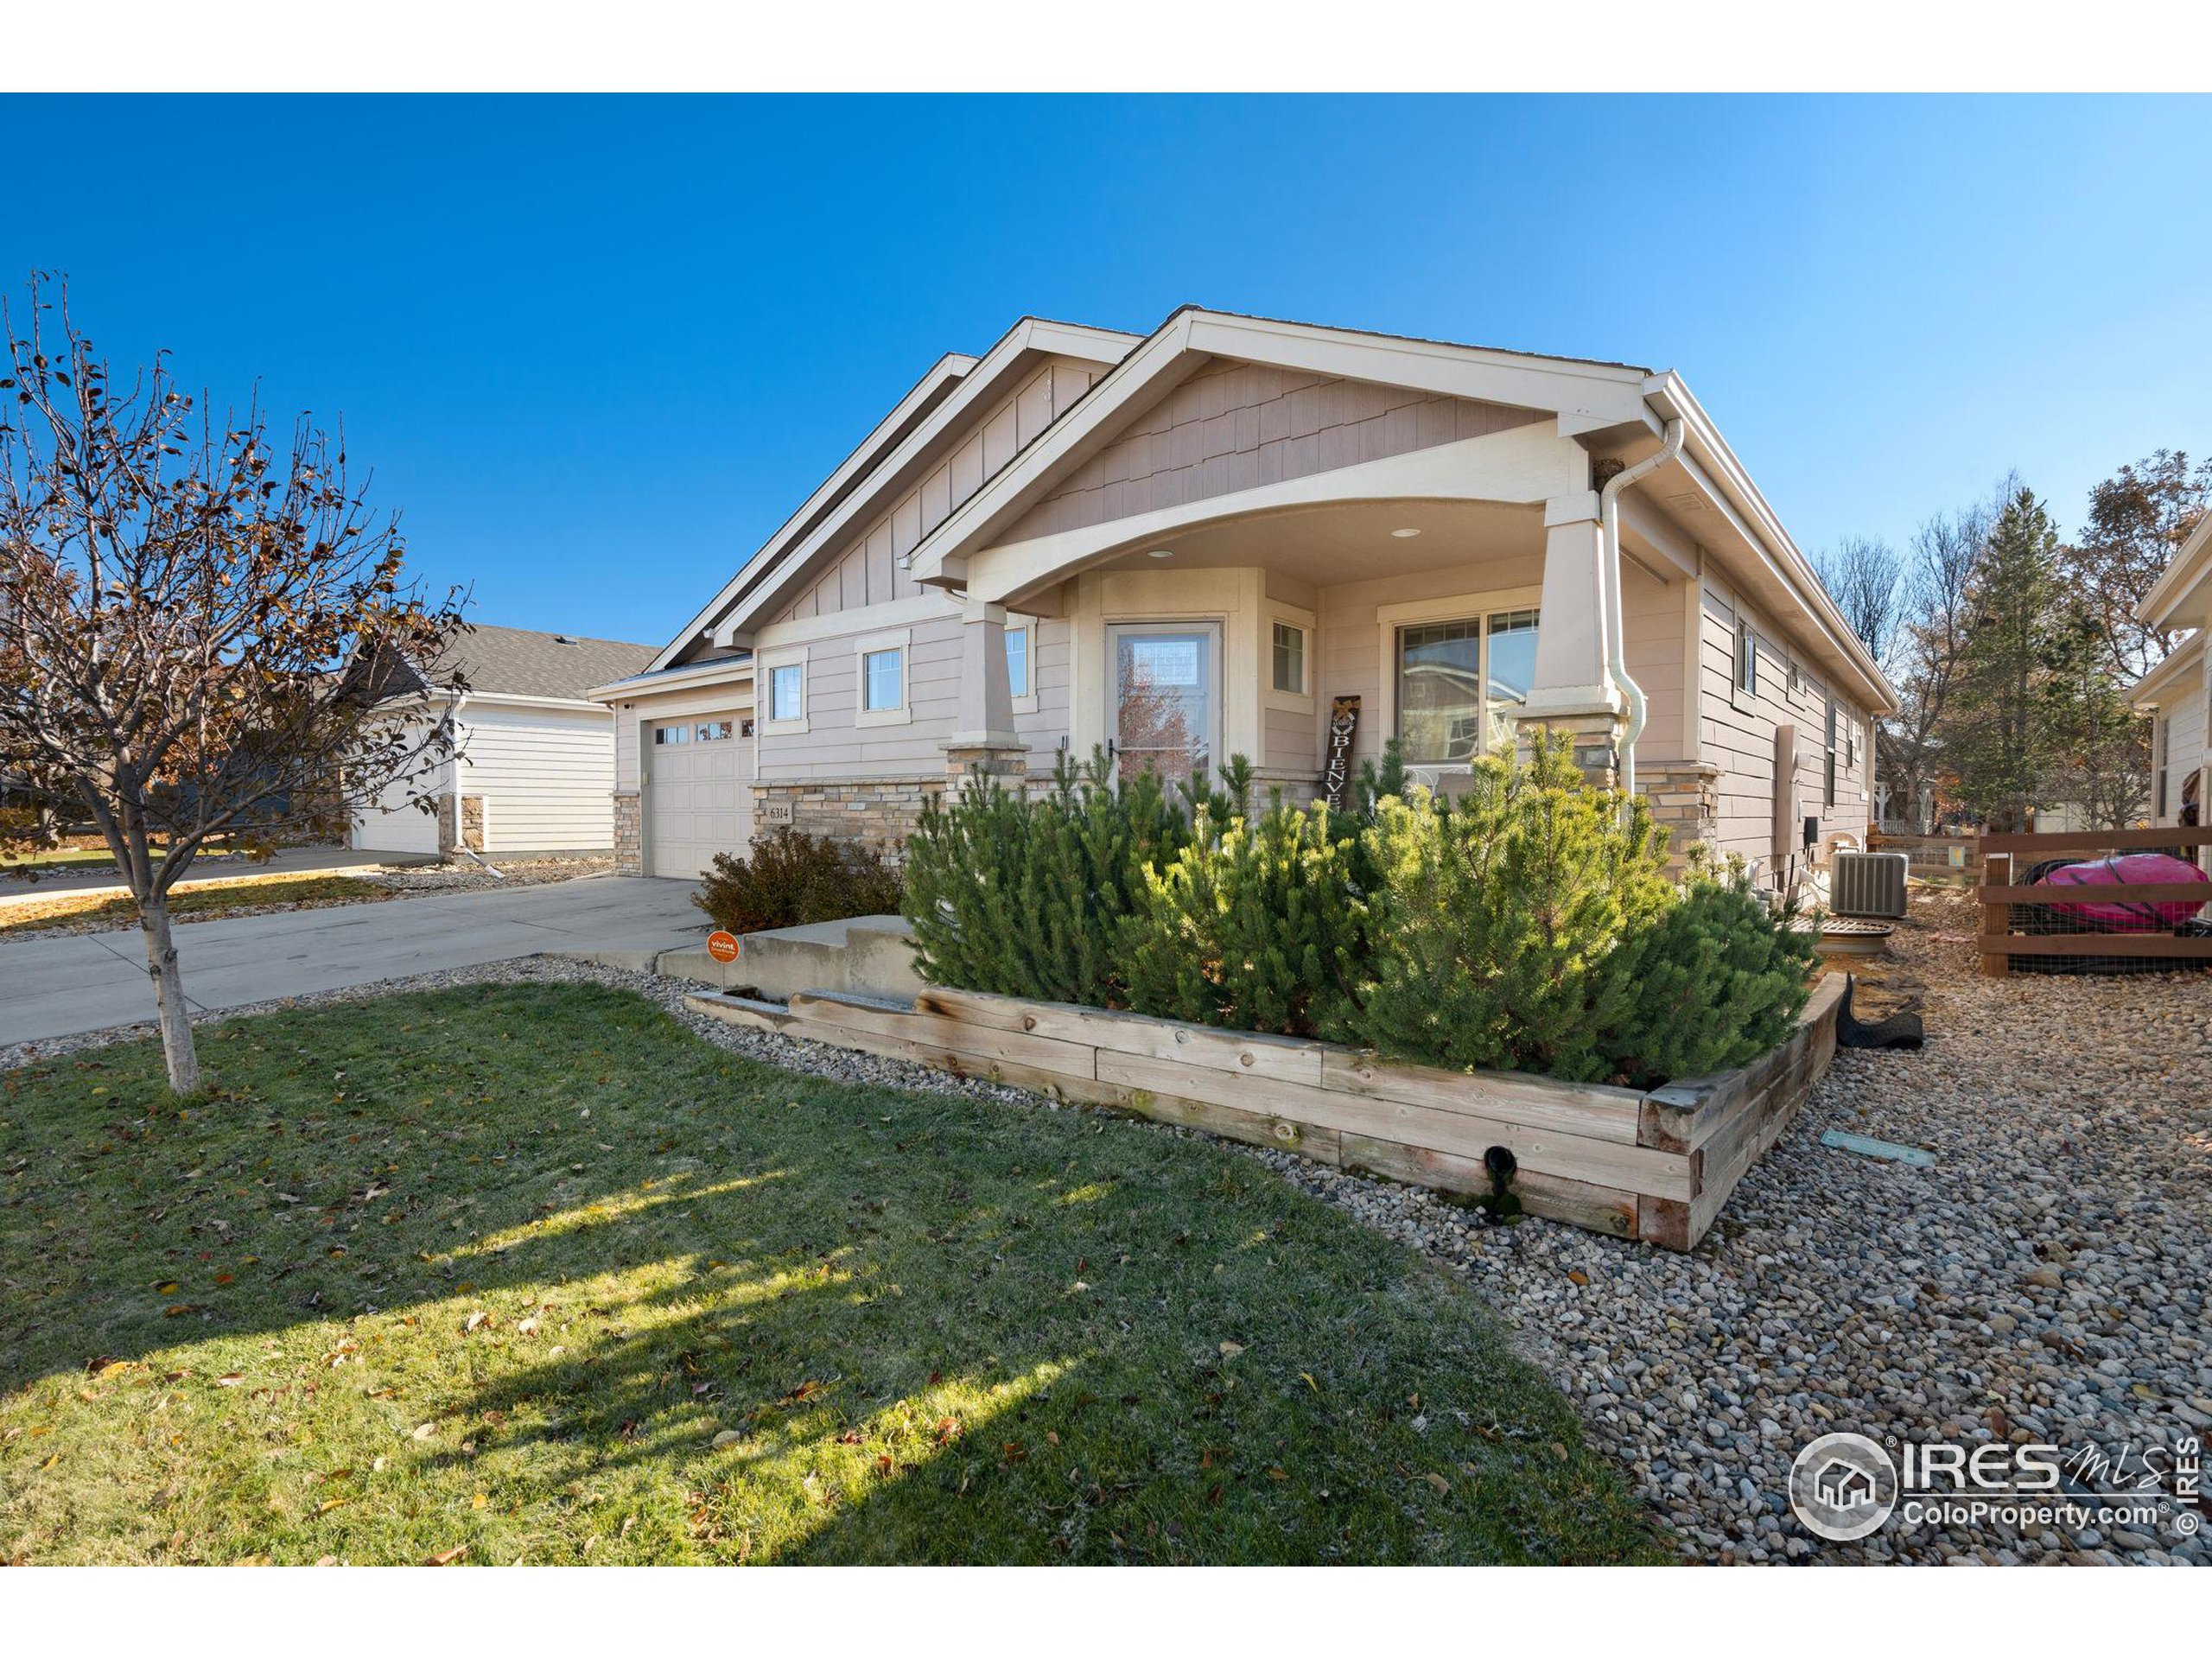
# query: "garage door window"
[[664, 735], [713, 731]]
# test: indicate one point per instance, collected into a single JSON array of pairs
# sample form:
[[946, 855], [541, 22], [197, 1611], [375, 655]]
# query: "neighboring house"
[[2178, 693], [1212, 540], [534, 757]]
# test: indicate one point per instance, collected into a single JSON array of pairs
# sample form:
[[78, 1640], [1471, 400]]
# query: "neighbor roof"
[[517, 662]]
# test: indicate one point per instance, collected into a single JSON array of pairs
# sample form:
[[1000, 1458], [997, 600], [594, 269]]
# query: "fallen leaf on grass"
[[1230, 1350], [447, 1557], [728, 1437], [425, 1431], [229, 1379]]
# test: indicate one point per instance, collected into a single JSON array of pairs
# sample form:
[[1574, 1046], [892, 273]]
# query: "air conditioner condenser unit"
[[1868, 884]]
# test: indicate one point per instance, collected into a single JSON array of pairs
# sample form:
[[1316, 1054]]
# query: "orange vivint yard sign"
[[722, 946]]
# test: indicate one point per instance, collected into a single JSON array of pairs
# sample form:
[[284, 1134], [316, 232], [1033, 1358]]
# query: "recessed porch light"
[[1162, 553], [1408, 530]]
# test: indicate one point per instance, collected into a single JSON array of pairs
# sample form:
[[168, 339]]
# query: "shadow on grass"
[[572, 1260]]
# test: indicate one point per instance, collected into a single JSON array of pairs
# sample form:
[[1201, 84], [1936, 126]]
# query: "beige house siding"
[[864, 570], [2185, 740], [1236, 426], [633, 714], [1738, 732]]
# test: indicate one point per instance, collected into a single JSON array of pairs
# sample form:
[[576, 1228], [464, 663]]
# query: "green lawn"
[[58, 858], [531, 1274]]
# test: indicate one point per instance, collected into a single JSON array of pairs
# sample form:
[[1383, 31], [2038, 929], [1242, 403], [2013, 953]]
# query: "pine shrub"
[[1500, 918], [1034, 897], [790, 877], [1719, 980], [1258, 924]]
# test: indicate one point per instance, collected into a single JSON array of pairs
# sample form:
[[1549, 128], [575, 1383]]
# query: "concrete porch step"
[[872, 954]]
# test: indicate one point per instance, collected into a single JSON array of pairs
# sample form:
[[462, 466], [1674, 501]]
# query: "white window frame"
[[868, 645], [1455, 607], [1744, 651], [1025, 702], [765, 667], [1289, 616]]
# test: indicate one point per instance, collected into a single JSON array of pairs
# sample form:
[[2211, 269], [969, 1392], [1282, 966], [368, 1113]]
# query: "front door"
[[1167, 697]]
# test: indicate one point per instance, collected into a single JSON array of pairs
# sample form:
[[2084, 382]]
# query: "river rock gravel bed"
[[2045, 1281]]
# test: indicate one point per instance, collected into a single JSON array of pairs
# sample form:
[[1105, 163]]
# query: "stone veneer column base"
[[629, 843], [1685, 796], [1595, 740]]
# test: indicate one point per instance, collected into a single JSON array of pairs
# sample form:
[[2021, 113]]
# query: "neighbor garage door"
[[698, 793]]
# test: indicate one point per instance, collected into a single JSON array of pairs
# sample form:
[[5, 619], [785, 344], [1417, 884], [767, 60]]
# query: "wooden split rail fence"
[[1653, 1165]]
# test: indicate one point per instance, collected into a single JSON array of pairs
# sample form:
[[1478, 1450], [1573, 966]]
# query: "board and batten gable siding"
[[1737, 733], [1237, 426], [866, 571], [547, 776]]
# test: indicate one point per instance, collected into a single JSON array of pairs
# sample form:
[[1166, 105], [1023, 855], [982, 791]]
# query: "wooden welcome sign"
[[1343, 725]]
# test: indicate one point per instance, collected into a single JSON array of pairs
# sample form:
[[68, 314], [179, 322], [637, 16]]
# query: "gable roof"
[[519, 662], [954, 387], [2176, 598]]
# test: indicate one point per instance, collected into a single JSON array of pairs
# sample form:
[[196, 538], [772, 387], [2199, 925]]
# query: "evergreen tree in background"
[[2025, 673]]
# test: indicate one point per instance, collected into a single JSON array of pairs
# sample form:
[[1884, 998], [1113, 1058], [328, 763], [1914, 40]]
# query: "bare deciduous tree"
[[1866, 579], [195, 620]]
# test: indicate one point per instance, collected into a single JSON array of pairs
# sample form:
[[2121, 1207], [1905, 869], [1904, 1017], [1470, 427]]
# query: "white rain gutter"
[[1609, 533]]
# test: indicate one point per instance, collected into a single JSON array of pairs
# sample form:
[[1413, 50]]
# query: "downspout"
[[1609, 533]]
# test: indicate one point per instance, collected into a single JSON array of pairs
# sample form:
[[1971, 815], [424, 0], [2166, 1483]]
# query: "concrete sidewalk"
[[211, 866], [55, 987]]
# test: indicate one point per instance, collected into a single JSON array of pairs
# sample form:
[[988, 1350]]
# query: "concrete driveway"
[[51, 988]]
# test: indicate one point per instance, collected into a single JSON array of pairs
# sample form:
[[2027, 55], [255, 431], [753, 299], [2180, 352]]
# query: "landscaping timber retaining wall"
[[1655, 1165]]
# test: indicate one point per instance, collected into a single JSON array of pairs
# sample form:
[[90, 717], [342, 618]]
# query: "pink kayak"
[[2115, 913]]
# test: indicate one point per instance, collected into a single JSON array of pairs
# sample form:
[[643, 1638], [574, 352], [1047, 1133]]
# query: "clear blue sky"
[[597, 349]]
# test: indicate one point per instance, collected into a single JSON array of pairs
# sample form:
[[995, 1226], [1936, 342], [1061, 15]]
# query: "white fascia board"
[[2149, 691], [1722, 478], [2176, 582], [1604, 395], [777, 572], [728, 670], [953, 365]]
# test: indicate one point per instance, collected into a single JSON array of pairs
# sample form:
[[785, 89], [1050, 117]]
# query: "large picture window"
[[1460, 684]]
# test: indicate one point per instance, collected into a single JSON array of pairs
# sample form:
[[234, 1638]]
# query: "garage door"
[[698, 793]]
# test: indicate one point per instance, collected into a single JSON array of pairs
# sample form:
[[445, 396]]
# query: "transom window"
[[883, 681], [1290, 658], [1459, 683], [787, 691]]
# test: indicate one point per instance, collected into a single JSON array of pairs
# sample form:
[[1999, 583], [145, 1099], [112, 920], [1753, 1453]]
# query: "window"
[[2161, 749], [1017, 661], [883, 681], [1459, 683], [1747, 657], [664, 735], [787, 691], [745, 726], [713, 731], [1828, 774], [1290, 658]]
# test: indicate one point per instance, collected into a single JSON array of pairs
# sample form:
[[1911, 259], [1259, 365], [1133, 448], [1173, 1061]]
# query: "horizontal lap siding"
[[863, 568], [1051, 640], [547, 778], [834, 745], [1740, 739], [1653, 647]]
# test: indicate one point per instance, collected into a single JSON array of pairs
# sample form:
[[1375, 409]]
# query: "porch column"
[[1573, 698], [985, 742]]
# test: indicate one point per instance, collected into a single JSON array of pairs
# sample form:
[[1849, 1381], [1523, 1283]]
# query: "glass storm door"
[[1167, 697]]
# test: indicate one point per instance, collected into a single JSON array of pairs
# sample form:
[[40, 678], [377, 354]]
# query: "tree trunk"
[[168, 996]]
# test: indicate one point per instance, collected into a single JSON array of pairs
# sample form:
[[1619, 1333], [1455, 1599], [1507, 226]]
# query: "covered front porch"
[[1304, 637]]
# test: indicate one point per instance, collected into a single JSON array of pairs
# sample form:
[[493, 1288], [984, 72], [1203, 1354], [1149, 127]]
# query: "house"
[[1237, 536], [2178, 693], [1844, 1485], [533, 765]]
